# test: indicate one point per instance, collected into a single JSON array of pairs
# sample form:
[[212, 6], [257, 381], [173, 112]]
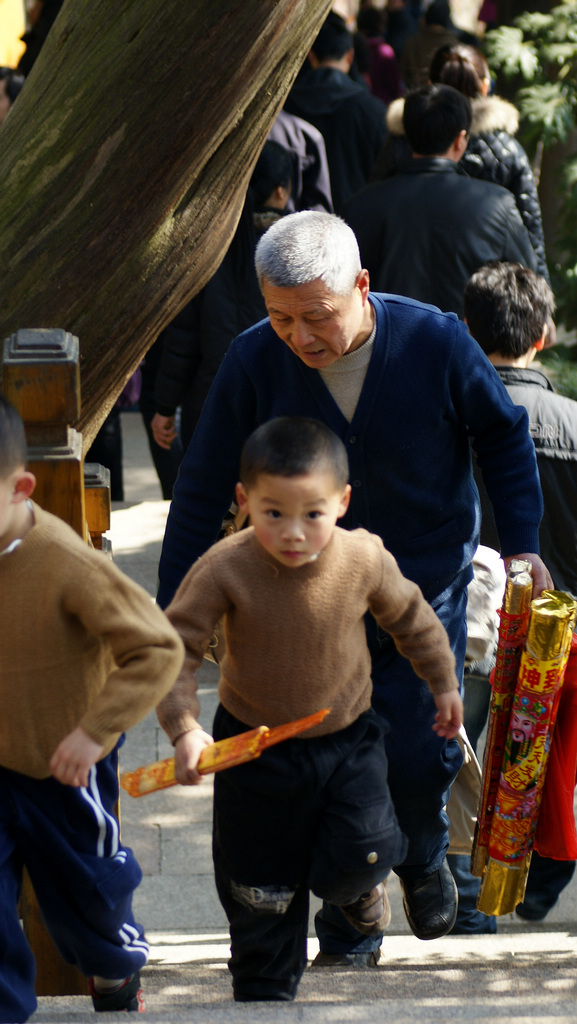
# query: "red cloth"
[[556, 835]]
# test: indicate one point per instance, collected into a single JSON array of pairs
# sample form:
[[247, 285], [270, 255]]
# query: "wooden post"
[[97, 503], [42, 380]]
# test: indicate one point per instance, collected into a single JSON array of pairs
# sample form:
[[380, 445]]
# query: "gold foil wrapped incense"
[[526, 753], [514, 620]]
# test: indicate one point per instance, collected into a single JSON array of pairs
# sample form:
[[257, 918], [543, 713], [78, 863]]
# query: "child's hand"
[[187, 751], [449, 717], [74, 757]]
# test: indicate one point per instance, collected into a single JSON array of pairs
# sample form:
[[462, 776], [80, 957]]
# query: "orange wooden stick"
[[218, 756]]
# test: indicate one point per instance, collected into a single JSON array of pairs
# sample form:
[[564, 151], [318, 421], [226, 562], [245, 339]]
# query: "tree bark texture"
[[125, 162]]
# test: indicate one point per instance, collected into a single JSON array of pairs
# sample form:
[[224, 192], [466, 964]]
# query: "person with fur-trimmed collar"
[[493, 153]]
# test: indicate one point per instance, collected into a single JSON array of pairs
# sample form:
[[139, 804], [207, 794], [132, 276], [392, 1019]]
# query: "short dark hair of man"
[[293, 446], [333, 40], [433, 116], [439, 13], [13, 448], [506, 307]]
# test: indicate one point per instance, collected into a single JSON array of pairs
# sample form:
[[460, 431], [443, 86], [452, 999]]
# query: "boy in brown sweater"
[[314, 812], [84, 655]]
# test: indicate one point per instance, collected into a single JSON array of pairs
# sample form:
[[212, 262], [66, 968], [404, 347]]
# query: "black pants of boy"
[[309, 814], [83, 877]]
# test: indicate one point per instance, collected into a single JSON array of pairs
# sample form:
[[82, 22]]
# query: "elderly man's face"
[[317, 325]]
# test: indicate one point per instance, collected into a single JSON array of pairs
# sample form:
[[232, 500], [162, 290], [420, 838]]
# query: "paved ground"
[[524, 974]]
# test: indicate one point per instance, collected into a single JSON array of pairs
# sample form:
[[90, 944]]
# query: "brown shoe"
[[371, 913]]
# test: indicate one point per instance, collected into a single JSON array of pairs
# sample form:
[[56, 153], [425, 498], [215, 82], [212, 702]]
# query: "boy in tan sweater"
[[314, 812], [84, 655]]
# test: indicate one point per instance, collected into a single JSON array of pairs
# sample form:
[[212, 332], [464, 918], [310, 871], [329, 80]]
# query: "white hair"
[[306, 246]]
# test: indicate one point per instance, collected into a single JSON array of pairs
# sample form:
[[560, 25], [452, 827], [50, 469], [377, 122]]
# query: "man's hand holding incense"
[[449, 717], [187, 751], [541, 576]]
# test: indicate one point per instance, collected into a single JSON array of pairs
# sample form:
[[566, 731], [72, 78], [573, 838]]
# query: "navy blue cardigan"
[[429, 389]]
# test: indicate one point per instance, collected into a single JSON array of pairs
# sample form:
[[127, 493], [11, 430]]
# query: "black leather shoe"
[[431, 903], [371, 913]]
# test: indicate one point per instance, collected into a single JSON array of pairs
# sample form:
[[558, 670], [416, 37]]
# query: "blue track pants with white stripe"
[[84, 878]]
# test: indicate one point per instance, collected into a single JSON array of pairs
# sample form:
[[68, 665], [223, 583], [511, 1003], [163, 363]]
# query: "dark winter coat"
[[494, 154], [311, 183], [195, 342], [425, 231], [352, 123], [553, 427]]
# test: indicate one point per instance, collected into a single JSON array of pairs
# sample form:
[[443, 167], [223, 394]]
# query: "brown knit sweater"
[[80, 644], [296, 637]]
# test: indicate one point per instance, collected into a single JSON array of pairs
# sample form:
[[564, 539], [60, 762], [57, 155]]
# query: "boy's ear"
[[539, 345], [241, 496], [345, 500], [24, 485]]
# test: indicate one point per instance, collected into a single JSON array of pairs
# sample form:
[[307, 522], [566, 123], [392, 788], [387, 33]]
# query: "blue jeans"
[[470, 921], [421, 765], [308, 814]]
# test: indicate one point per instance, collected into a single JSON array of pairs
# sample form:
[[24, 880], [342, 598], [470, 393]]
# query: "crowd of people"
[[363, 354]]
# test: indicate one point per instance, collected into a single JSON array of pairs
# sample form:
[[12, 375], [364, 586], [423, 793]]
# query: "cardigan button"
[[352, 439], [372, 857]]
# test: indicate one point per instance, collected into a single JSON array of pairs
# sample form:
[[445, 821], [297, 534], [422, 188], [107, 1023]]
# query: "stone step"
[[524, 976]]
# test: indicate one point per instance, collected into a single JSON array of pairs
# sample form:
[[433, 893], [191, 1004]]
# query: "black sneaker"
[[128, 997]]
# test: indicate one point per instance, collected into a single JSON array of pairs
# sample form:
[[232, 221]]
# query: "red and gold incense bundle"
[[527, 745], [514, 620]]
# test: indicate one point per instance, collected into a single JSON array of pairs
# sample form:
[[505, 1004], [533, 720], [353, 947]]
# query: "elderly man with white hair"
[[406, 388]]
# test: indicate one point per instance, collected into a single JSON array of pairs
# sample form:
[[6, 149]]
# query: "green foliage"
[[560, 365], [506, 49], [540, 51], [548, 112], [564, 272]]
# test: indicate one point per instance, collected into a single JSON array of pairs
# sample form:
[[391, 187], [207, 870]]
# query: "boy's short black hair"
[[433, 116], [13, 448], [506, 306], [293, 446]]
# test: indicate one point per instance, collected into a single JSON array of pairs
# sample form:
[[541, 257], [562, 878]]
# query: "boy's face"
[[294, 517], [15, 518]]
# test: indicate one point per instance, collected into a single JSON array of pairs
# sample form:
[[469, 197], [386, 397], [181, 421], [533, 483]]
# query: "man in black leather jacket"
[[424, 231]]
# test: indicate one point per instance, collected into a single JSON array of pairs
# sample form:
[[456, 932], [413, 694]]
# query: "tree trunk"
[[124, 165]]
